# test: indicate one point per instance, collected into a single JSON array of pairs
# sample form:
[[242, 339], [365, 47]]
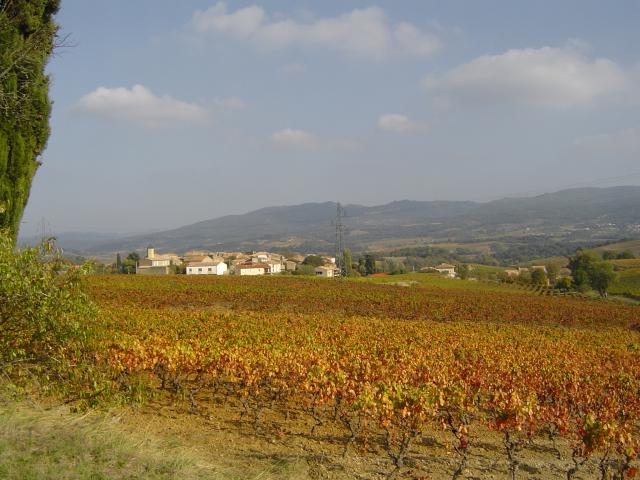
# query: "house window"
[[210, 269], [199, 269]]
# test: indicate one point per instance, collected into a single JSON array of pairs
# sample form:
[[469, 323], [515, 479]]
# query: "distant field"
[[560, 262], [628, 277], [367, 379], [399, 243], [626, 264], [631, 245], [437, 280], [627, 283]]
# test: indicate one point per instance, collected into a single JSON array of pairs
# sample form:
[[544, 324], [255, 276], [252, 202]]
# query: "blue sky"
[[167, 113]]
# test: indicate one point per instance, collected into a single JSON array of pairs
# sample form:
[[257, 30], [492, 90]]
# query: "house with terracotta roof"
[[196, 256]]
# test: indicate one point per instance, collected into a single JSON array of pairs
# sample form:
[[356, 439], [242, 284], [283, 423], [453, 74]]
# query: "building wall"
[[291, 266], [447, 272], [276, 268], [219, 269], [251, 271], [324, 273], [154, 270]]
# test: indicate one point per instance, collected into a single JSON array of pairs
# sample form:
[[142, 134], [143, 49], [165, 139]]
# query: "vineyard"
[[628, 278], [382, 370]]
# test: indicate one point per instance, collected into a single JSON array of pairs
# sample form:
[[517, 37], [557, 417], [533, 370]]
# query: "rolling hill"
[[584, 214]]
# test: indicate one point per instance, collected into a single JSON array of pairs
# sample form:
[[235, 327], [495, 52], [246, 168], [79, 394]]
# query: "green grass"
[[48, 444], [41, 444]]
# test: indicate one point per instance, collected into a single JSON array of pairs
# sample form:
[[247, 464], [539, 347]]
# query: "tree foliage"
[[304, 269], [347, 263], [370, 264], [27, 39], [589, 271], [314, 261], [41, 303], [130, 263], [539, 277], [611, 255], [553, 272], [601, 277]]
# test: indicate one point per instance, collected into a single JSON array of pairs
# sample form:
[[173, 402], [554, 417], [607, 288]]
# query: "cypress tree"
[[347, 263], [369, 264], [27, 39]]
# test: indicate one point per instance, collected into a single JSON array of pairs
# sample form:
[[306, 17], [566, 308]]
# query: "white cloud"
[[140, 106], [622, 143], [397, 123], [242, 23], [292, 139], [547, 77], [364, 32]]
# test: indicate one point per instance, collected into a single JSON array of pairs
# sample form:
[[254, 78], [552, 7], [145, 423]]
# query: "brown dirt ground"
[[222, 435]]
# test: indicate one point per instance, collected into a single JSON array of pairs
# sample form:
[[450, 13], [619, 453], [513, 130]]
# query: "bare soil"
[[223, 435]]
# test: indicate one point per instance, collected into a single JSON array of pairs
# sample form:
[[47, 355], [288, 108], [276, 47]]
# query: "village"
[[200, 262]]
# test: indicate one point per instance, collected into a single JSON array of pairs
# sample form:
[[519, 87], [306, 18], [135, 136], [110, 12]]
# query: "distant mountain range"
[[583, 214]]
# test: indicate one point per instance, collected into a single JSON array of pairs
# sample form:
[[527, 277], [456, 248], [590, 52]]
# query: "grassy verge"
[[38, 443]]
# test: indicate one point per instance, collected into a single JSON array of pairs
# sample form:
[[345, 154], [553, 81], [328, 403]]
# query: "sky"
[[167, 113]]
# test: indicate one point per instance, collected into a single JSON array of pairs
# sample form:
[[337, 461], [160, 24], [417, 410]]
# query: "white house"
[[446, 269], [252, 269], [324, 271], [206, 268], [274, 267]]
